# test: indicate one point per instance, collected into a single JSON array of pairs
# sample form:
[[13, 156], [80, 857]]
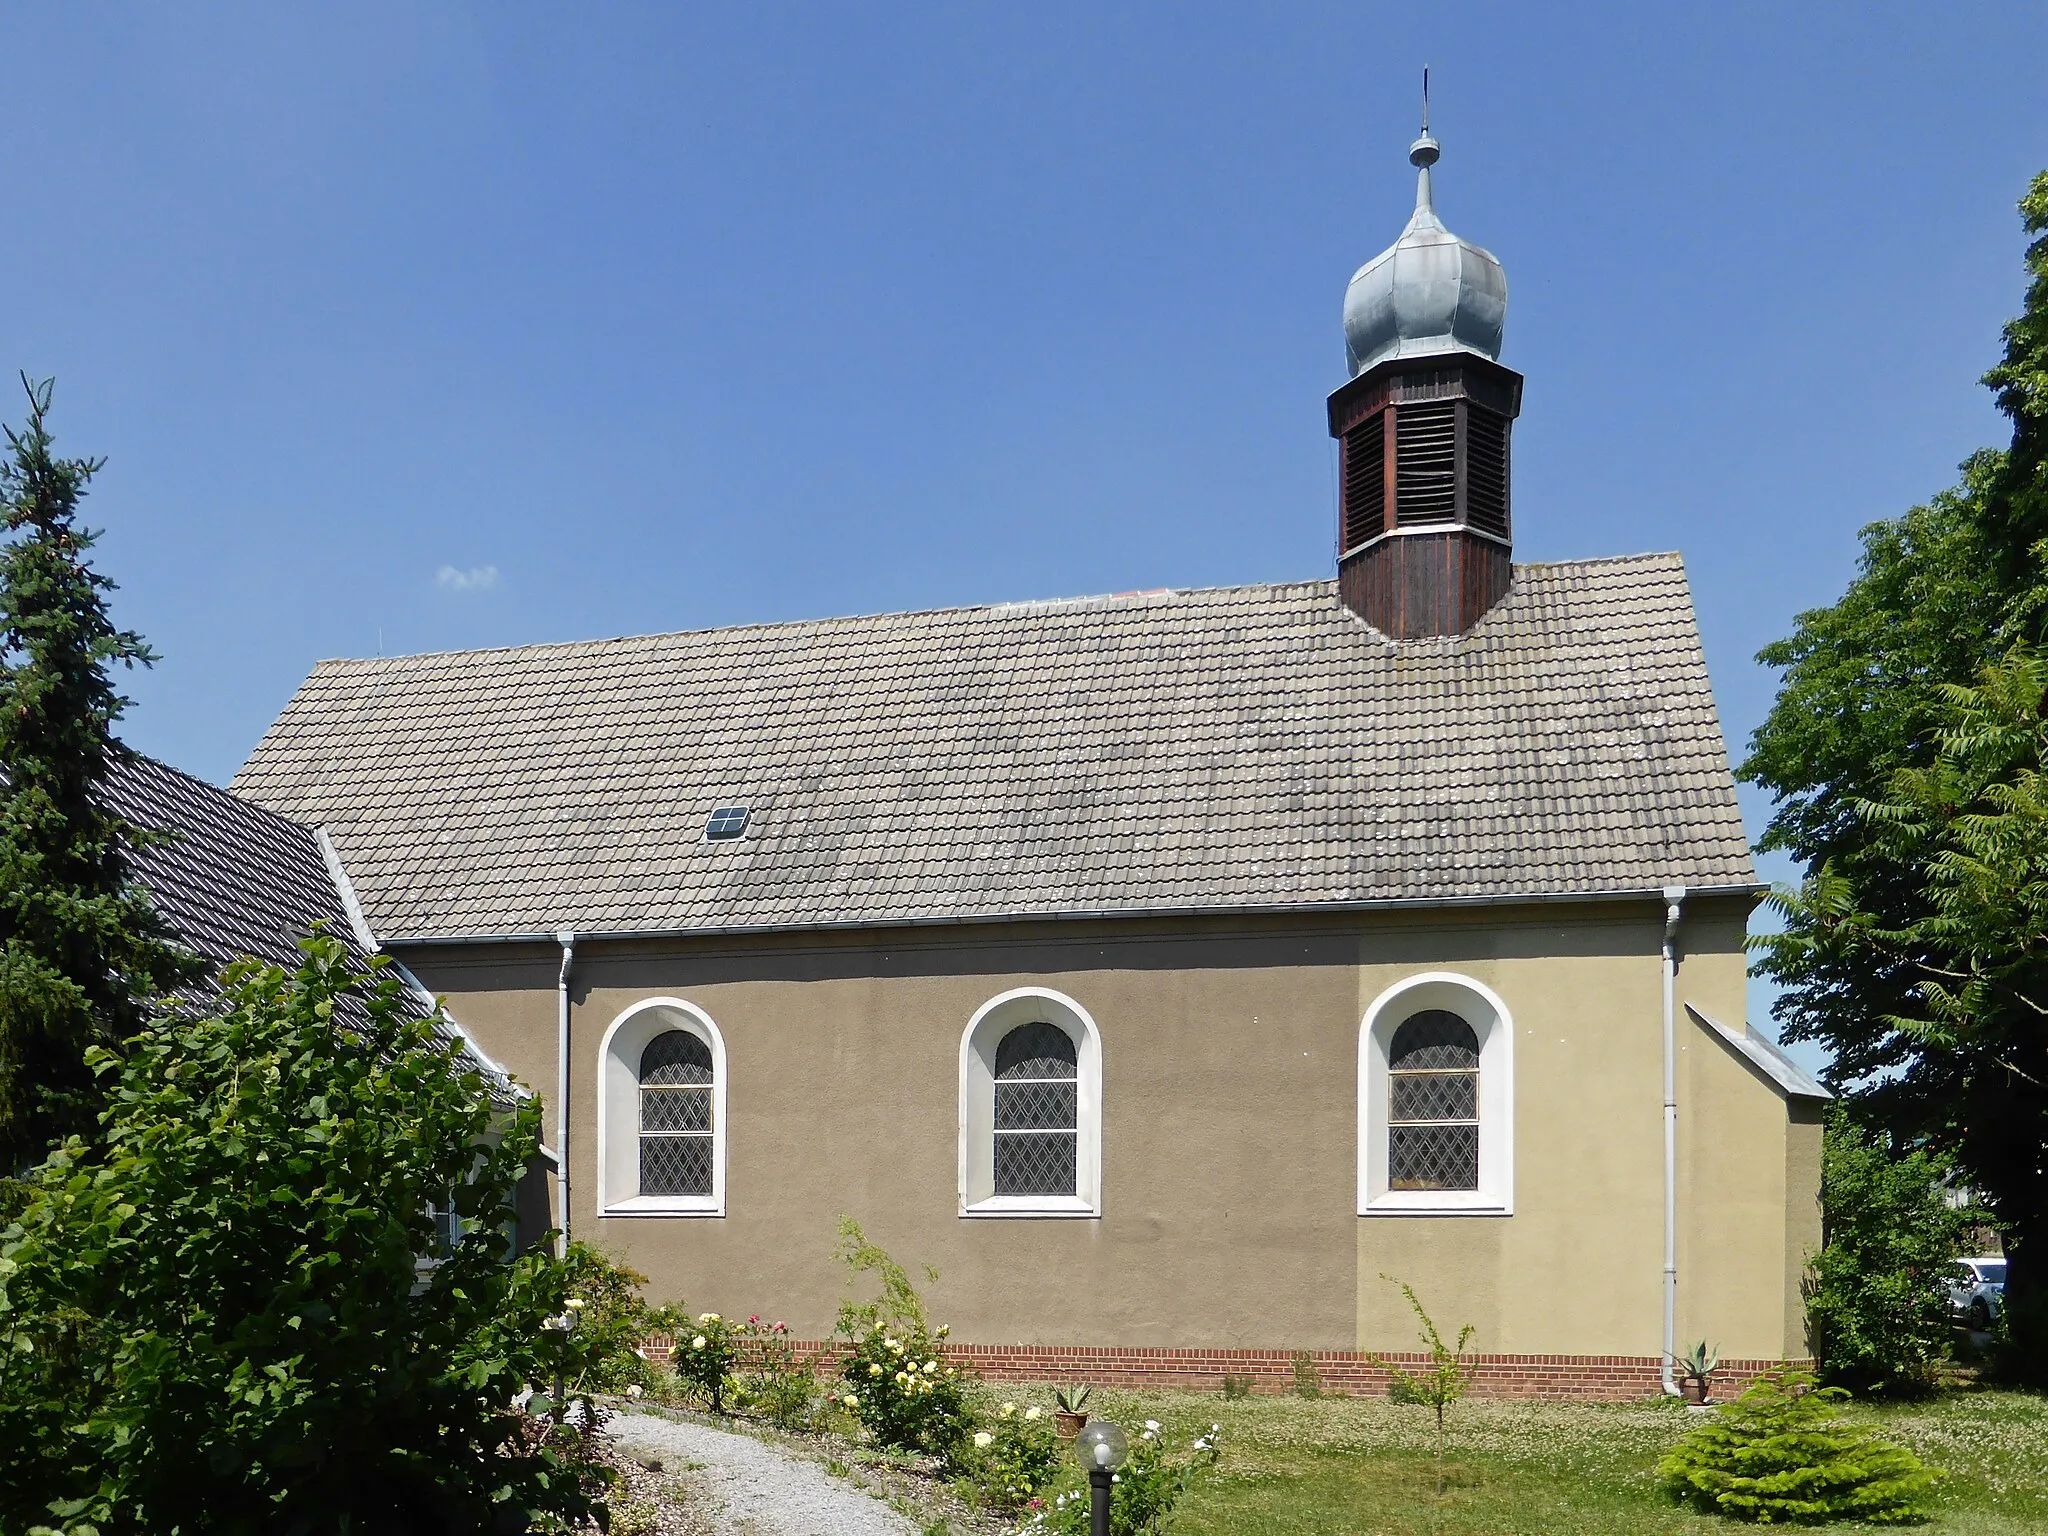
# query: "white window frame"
[[978, 1042], [1479, 1006], [618, 1109]]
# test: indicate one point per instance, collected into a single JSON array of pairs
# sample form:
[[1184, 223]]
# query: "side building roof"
[[1224, 749], [236, 880]]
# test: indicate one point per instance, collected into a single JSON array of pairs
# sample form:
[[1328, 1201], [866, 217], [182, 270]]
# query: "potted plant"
[[1069, 1416], [1697, 1366]]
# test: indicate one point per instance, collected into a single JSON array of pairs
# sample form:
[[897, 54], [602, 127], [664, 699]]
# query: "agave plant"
[[1700, 1362], [1072, 1399]]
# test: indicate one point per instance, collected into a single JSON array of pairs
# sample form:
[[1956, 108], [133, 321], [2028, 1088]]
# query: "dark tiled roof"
[[237, 880], [1229, 748]]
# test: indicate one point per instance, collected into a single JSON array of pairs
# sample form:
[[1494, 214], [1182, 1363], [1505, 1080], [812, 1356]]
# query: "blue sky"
[[443, 326]]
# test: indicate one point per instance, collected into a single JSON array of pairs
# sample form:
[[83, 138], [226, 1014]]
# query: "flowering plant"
[[1144, 1490], [704, 1354], [903, 1391], [1006, 1465], [778, 1384], [895, 1375]]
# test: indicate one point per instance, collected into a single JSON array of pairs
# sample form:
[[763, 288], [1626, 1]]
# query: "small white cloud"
[[478, 578]]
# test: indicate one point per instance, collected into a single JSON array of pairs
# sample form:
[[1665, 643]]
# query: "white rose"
[[697, 1342], [983, 1439], [1031, 1413], [1153, 1425]]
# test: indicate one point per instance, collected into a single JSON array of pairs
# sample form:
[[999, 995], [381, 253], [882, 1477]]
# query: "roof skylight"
[[726, 823]]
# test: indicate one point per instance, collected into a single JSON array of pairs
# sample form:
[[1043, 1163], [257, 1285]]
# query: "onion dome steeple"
[[1427, 292], [1423, 528]]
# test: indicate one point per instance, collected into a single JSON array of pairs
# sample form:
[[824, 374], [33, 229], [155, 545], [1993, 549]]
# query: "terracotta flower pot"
[[1693, 1389], [1067, 1425]]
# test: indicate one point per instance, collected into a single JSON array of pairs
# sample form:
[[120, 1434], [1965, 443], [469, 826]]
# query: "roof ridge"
[[1015, 606], [1027, 605]]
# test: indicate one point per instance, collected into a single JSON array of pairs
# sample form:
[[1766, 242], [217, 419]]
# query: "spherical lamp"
[[1101, 1448]]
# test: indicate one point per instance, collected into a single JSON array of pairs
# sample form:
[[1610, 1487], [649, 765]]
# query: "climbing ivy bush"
[[1782, 1452], [229, 1309]]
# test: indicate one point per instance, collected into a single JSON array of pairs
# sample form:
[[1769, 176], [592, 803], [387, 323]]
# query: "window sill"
[[665, 1205], [1438, 1203], [1030, 1206]]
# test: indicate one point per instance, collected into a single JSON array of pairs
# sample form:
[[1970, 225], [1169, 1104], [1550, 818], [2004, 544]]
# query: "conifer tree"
[[81, 948]]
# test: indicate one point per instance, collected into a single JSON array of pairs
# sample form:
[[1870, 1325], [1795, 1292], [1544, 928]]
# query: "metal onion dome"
[[1427, 292]]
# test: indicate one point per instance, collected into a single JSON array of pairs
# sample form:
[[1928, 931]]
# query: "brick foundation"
[[1585, 1378]]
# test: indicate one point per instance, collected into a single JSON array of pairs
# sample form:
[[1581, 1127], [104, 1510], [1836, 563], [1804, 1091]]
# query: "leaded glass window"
[[1433, 1103], [675, 1115], [1038, 1112]]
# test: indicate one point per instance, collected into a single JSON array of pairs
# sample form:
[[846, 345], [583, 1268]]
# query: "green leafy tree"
[[1876, 1311], [81, 949], [1442, 1384], [231, 1311], [1782, 1452], [1892, 772]]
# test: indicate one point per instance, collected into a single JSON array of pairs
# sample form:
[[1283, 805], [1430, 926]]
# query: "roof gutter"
[[1088, 915]]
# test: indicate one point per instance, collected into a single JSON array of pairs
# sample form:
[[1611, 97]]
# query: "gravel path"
[[758, 1490]]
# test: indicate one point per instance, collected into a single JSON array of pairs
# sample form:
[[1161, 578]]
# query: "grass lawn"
[[1366, 1467]]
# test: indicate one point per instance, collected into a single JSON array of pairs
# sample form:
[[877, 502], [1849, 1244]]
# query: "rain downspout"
[[1674, 901], [567, 940]]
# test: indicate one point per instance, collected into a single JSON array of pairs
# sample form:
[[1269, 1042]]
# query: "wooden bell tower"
[[1424, 532]]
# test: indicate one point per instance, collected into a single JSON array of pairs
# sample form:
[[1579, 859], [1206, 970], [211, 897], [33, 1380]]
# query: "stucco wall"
[[1230, 1129]]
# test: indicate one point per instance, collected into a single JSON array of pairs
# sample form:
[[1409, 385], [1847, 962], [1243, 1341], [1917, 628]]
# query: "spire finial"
[[1422, 154]]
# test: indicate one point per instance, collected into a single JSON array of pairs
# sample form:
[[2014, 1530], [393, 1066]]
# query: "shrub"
[[1877, 1315], [1782, 1452], [705, 1353], [1236, 1388], [904, 1392], [1150, 1484], [780, 1385], [897, 1379], [613, 1321], [1308, 1381], [1007, 1464], [230, 1310]]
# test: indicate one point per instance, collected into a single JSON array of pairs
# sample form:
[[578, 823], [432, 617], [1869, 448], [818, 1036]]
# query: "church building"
[[1166, 968]]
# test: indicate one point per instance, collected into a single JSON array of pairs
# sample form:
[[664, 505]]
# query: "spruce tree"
[[82, 951]]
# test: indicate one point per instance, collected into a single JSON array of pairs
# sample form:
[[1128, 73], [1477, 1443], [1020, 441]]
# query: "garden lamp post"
[[1100, 1447]]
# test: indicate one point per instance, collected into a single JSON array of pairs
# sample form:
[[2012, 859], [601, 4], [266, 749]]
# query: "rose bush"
[[1006, 1465], [705, 1352], [1159, 1471]]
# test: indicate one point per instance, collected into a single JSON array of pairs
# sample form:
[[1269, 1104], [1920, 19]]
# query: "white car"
[[1976, 1291]]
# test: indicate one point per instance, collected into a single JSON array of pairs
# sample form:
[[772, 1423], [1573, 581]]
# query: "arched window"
[[675, 1115], [661, 1112], [1436, 1100], [1433, 1103], [1031, 1108], [1038, 1115]]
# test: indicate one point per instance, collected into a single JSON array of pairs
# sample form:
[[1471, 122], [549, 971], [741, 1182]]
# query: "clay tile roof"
[[1229, 748]]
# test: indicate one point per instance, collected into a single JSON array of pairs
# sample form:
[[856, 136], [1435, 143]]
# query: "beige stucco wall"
[[1229, 1135]]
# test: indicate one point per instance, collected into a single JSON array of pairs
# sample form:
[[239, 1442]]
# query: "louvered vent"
[[1426, 462], [1486, 471], [1365, 483]]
